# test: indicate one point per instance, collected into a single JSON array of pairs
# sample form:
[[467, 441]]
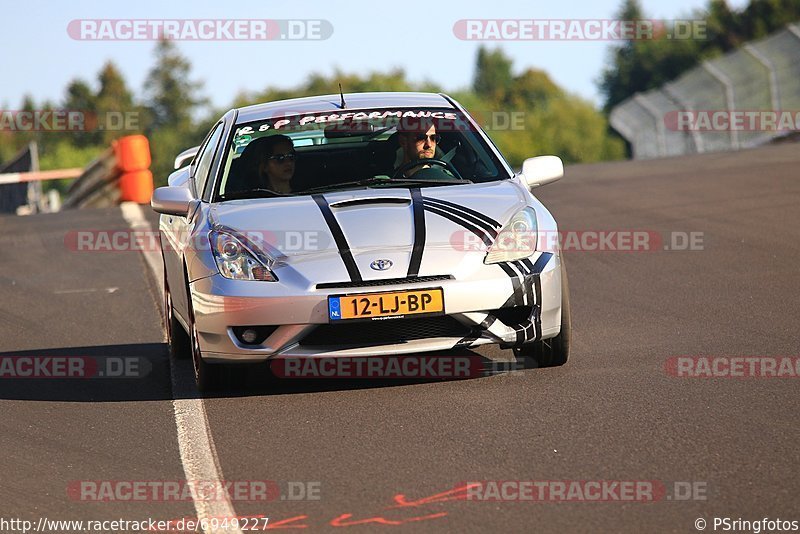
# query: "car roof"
[[353, 101]]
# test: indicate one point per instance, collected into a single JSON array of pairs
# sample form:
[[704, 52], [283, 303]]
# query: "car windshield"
[[321, 152]]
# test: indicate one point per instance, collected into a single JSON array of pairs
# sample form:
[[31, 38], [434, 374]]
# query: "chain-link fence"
[[743, 99]]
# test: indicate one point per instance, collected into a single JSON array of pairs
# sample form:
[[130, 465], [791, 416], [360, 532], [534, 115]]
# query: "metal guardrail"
[[120, 173], [761, 76], [97, 186]]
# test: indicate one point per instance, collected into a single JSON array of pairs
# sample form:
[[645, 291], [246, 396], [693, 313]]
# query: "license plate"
[[390, 304]]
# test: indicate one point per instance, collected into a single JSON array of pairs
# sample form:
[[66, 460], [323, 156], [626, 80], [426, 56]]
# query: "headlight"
[[516, 240], [239, 259]]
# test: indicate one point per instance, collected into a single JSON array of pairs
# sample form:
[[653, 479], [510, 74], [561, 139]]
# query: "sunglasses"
[[280, 158], [435, 138]]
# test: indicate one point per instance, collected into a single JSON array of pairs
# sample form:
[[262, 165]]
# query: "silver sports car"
[[366, 224]]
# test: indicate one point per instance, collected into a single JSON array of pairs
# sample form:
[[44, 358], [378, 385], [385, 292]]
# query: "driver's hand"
[[410, 172]]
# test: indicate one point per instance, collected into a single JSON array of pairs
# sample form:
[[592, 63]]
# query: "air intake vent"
[[370, 201], [384, 332], [384, 282]]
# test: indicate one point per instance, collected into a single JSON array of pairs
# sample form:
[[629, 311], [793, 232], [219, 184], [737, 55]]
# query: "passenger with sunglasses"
[[417, 142], [276, 167]]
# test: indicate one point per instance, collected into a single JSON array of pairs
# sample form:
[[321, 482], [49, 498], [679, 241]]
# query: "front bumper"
[[471, 305]]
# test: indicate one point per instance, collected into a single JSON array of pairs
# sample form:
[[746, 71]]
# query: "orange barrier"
[[133, 153], [133, 159], [136, 186]]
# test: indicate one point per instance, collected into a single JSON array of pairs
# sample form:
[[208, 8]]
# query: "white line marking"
[[198, 453], [132, 213], [92, 290]]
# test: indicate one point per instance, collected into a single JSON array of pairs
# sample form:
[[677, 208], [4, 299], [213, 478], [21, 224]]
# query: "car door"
[[178, 229]]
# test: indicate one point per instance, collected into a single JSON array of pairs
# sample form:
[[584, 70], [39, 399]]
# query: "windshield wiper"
[[250, 193], [384, 181]]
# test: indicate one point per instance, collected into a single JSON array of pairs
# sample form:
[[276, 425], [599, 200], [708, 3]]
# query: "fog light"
[[249, 336], [252, 335]]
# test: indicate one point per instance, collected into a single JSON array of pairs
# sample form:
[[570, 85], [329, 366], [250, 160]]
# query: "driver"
[[418, 141], [276, 165]]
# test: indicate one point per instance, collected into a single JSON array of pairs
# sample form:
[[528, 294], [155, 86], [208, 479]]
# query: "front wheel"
[[206, 376], [553, 352], [210, 377], [177, 338]]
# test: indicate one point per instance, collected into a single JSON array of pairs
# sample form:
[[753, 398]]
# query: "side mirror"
[[172, 200], [185, 157], [541, 170], [179, 177]]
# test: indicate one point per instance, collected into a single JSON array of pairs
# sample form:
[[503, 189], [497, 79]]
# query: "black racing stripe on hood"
[[485, 237], [418, 210], [338, 238], [472, 212], [467, 215]]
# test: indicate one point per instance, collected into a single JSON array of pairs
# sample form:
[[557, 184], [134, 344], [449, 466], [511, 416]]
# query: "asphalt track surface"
[[611, 414]]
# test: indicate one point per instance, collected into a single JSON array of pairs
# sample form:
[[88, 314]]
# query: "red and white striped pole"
[[17, 177]]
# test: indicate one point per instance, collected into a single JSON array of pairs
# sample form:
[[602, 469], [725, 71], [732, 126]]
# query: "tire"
[[553, 352], [177, 339], [208, 376], [212, 377]]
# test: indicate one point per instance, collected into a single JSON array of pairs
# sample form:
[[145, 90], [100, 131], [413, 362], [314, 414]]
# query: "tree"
[[113, 102], [493, 76], [762, 17], [171, 101], [723, 27], [533, 89], [80, 98], [618, 79], [170, 95], [637, 66]]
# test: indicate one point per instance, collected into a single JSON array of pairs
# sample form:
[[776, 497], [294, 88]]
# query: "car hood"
[[340, 235]]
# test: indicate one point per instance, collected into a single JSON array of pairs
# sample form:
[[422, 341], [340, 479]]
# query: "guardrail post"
[[774, 90], [697, 139], [660, 130], [730, 101]]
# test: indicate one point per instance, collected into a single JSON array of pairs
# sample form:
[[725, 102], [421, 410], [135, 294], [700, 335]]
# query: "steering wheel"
[[446, 165]]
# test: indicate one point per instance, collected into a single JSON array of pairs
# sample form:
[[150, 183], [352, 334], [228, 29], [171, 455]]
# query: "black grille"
[[386, 332], [384, 282]]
